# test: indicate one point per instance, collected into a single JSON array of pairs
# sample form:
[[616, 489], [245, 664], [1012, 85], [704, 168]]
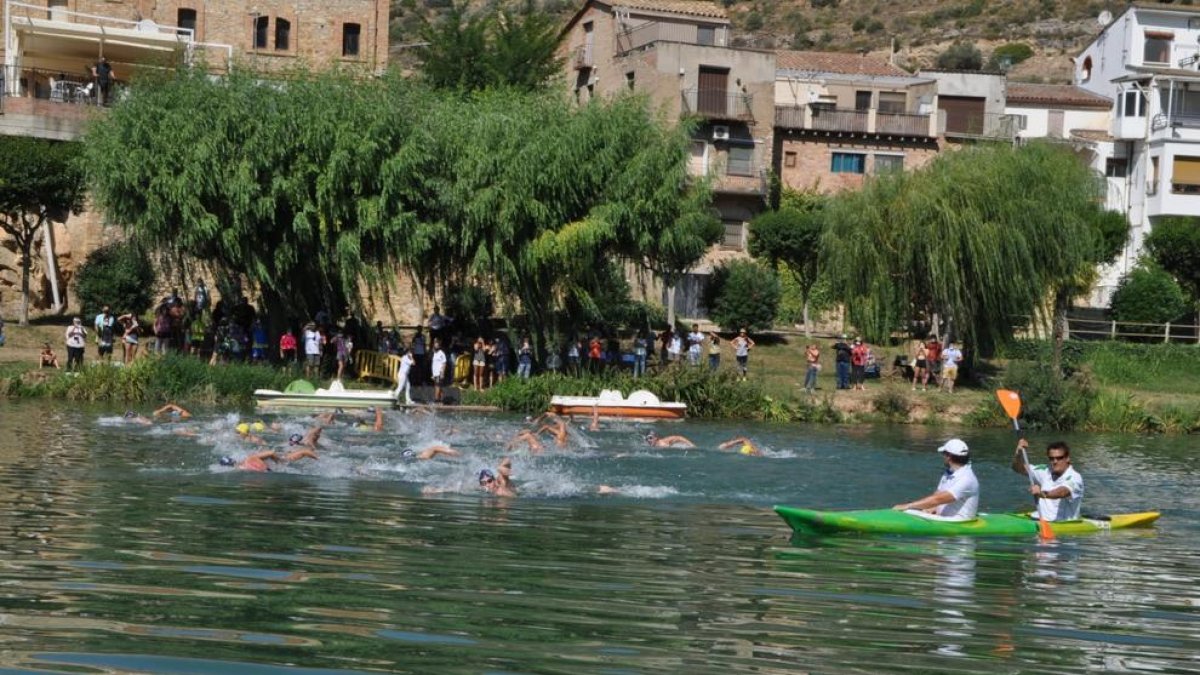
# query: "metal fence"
[[1104, 329]]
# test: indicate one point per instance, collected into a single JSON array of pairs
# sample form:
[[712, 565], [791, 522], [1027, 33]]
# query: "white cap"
[[955, 447]]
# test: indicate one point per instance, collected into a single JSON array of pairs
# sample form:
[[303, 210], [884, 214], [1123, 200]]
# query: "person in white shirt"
[[406, 363], [957, 493], [675, 349], [76, 336], [694, 339], [313, 341], [1058, 487], [438, 370], [950, 359]]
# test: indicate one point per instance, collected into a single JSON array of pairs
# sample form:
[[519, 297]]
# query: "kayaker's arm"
[[1018, 460], [932, 501], [1056, 493]]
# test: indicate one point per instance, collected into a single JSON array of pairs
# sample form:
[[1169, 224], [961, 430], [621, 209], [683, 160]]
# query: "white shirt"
[[951, 356], [694, 340], [676, 345], [75, 335], [406, 363], [963, 484], [312, 342], [1066, 508], [439, 363]]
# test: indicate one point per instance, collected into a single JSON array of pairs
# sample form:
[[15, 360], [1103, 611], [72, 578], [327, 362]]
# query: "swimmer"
[[500, 482], [595, 425], [174, 411], [258, 461], [558, 430], [653, 440], [243, 430], [437, 450], [529, 438], [746, 446], [134, 418]]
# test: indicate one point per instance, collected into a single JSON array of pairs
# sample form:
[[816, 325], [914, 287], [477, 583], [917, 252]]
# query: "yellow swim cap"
[[242, 428], [258, 426], [746, 449]]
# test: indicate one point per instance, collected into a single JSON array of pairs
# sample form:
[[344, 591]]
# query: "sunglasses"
[[1056, 458]]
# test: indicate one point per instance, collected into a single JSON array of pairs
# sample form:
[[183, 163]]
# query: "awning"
[[50, 44]]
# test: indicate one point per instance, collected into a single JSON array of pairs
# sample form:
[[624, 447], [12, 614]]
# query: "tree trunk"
[[1062, 302], [26, 263], [807, 325], [671, 305], [52, 267]]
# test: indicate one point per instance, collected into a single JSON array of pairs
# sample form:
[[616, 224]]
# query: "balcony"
[[651, 32], [717, 104], [583, 57], [986, 126], [871, 121], [47, 104]]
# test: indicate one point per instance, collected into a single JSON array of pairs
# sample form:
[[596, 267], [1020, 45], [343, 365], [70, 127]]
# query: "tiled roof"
[[836, 62], [692, 7], [1055, 94]]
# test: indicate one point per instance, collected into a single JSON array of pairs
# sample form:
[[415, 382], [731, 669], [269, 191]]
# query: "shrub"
[[743, 294], [119, 275], [1048, 401], [1008, 55], [1148, 295], [960, 56], [892, 404]]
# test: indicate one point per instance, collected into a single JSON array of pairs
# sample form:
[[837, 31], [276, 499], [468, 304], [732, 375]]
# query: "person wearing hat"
[[957, 494], [842, 351]]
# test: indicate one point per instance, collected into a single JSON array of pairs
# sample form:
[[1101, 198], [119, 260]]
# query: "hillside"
[[918, 29]]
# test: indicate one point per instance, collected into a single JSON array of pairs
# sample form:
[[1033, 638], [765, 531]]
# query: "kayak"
[[887, 521]]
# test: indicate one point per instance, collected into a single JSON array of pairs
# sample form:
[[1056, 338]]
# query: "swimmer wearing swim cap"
[[745, 446]]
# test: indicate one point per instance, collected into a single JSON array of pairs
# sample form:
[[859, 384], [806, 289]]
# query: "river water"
[[126, 548]]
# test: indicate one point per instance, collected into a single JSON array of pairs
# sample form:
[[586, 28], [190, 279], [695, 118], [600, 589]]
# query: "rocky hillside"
[[918, 30]]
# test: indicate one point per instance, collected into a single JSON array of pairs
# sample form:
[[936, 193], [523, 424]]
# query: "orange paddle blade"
[[1044, 530], [1010, 401]]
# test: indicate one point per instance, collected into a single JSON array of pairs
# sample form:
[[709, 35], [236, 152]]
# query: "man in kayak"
[[1058, 487], [957, 494]]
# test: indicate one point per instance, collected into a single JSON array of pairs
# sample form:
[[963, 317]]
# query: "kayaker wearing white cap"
[[957, 494]]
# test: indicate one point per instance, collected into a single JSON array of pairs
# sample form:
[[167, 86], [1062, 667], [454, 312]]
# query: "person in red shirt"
[[287, 347], [858, 364], [595, 354], [935, 360]]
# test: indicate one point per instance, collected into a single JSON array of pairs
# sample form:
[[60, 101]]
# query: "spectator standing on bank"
[[841, 360], [287, 347], [343, 346], [76, 338], [950, 360], [438, 370], [132, 329], [742, 344], [574, 354], [105, 325], [858, 364], [714, 351], [402, 377], [313, 342], [258, 341], [695, 340], [418, 352], [201, 298], [641, 347], [812, 356], [595, 354], [525, 359]]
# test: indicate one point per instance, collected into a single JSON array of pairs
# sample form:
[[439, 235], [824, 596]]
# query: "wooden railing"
[[376, 365]]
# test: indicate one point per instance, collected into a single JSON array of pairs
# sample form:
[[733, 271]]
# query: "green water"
[[129, 549]]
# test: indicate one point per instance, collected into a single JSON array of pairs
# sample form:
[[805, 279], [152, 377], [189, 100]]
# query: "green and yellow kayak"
[[804, 521]]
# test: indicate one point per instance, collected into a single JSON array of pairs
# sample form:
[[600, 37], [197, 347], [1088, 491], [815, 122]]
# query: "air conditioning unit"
[[720, 132]]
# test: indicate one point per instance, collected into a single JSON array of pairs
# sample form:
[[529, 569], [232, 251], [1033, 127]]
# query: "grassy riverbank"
[[1124, 387]]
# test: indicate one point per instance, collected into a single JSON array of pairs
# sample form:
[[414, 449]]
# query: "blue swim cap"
[[486, 476], [227, 461], [129, 414], [407, 454], [295, 439]]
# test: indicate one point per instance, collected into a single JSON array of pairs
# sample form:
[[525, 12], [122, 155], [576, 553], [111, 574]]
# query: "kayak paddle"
[[1011, 402]]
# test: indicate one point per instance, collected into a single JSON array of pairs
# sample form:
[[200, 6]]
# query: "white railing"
[[21, 12], [1130, 330]]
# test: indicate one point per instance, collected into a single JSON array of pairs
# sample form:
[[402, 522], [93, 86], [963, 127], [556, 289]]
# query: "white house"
[[1146, 62]]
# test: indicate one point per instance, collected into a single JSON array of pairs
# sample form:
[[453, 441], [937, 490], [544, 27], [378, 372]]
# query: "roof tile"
[[693, 7], [836, 62], [1055, 94]]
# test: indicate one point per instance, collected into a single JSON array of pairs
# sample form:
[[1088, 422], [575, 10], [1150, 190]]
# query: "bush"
[[1008, 55], [743, 294], [1148, 295], [1048, 401], [119, 275], [892, 404], [960, 56]]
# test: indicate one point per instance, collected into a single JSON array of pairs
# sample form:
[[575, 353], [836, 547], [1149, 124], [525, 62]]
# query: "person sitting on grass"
[[48, 358], [653, 440], [744, 445]]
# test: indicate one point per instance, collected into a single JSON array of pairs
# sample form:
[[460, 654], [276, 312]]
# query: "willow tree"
[[539, 198], [274, 180], [981, 237]]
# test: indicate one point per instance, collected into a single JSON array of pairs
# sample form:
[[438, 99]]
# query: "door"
[[964, 114], [713, 91]]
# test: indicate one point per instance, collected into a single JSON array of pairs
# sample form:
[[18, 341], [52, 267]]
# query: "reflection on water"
[[129, 549]]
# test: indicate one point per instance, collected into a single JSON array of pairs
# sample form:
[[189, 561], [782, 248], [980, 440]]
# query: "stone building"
[[48, 88]]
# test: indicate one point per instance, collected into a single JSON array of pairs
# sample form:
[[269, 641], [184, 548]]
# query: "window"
[[186, 18], [260, 31], [1116, 167], [706, 35], [789, 159], [698, 161], [741, 161], [351, 32], [631, 80], [893, 103], [1134, 104], [1185, 175], [888, 163], [734, 230], [848, 162], [862, 100], [1157, 48], [1022, 121], [283, 35], [1085, 73]]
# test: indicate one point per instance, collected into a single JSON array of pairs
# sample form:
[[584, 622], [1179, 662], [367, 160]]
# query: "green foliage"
[[1174, 243], [119, 275], [1008, 55], [1049, 401], [979, 236], [153, 381], [753, 21], [1148, 295], [960, 56], [503, 49], [892, 404], [790, 239], [743, 294], [40, 181], [1170, 368]]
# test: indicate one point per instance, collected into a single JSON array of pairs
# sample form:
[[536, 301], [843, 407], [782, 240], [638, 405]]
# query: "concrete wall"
[[989, 86]]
